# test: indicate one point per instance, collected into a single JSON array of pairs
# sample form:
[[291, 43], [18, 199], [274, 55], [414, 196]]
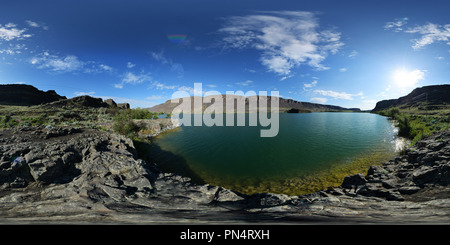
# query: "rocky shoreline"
[[84, 176]]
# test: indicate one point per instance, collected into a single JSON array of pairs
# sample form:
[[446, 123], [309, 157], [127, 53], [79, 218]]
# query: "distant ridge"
[[433, 96], [26, 95], [284, 105]]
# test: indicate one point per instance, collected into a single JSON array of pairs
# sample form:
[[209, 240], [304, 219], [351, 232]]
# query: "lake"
[[312, 151]]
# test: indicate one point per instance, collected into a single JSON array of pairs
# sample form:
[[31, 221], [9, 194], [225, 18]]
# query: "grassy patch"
[[416, 123]]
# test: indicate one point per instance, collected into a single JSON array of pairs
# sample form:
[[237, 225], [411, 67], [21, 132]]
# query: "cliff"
[[26, 95], [431, 96]]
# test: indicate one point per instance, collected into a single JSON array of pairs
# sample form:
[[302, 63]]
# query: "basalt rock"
[[79, 176]]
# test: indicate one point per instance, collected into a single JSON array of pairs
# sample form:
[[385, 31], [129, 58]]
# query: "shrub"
[[123, 124], [7, 122], [139, 113]]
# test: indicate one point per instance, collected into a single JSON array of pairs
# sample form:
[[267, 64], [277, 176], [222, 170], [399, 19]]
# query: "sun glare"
[[406, 78]]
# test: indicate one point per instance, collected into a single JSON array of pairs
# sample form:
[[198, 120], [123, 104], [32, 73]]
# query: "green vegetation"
[[416, 123], [7, 122], [124, 122], [124, 125]]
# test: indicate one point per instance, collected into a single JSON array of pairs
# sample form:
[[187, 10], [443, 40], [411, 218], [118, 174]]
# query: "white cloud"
[[307, 86], [36, 25], [319, 100], [68, 63], [430, 33], [13, 49], [396, 25], [337, 95], [353, 54], [161, 86], [191, 91], [105, 67], [286, 39], [131, 78], [160, 57], [32, 23], [84, 93], [246, 83], [130, 65], [343, 69], [154, 97], [9, 32]]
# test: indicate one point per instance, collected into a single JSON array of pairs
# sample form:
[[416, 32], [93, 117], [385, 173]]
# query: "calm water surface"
[[306, 144]]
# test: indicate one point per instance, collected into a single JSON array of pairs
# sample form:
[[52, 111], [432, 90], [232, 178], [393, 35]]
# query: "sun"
[[406, 78]]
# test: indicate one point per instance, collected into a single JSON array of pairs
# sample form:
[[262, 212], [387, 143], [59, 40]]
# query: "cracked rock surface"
[[67, 175]]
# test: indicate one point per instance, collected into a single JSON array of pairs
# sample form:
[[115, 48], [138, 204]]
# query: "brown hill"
[[284, 105]]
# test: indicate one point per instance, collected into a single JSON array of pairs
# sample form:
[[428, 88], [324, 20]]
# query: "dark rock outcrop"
[[79, 102], [434, 96], [26, 95], [123, 106], [79, 176]]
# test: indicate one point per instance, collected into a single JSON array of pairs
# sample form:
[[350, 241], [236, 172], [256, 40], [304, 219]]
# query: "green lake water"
[[311, 151]]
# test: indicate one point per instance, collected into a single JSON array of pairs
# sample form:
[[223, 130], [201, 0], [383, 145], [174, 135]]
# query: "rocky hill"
[[284, 105], [26, 95], [433, 97]]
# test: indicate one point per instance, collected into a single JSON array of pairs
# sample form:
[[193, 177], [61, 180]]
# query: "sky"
[[345, 53]]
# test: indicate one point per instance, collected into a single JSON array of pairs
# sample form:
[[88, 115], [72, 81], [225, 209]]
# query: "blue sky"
[[346, 53]]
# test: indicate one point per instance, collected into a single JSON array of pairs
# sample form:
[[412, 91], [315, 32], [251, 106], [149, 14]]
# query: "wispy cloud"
[[353, 54], [67, 63], [133, 79], [430, 32], [36, 25], [308, 86], [175, 67], [161, 86], [343, 69], [13, 49], [154, 97], [10, 32], [130, 65], [77, 93], [160, 57], [396, 25], [286, 39], [245, 83], [337, 95]]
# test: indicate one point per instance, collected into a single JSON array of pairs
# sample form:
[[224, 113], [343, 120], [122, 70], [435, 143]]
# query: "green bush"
[[7, 122], [123, 124], [139, 113]]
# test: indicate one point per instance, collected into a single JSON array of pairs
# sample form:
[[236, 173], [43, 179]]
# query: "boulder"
[[123, 106], [111, 103], [353, 181]]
